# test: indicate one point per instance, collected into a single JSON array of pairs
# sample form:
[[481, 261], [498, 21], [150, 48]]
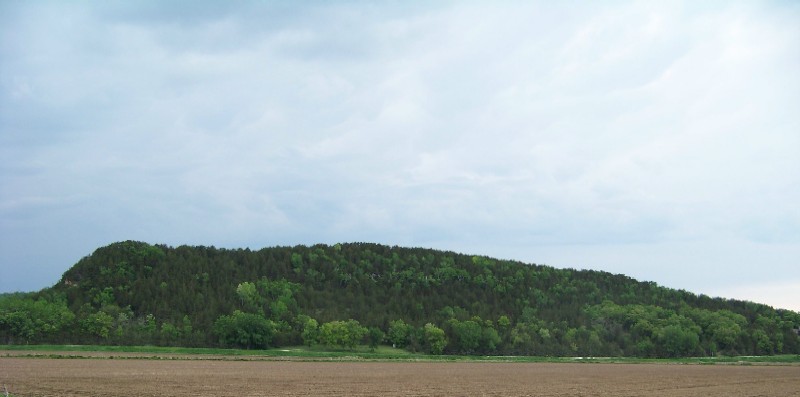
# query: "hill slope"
[[133, 293]]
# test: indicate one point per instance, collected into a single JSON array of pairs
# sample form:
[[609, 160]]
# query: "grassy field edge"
[[382, 353]]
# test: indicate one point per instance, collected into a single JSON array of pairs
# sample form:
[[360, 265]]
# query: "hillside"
[[341, 295]]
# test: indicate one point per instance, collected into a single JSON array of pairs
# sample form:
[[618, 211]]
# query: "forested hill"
[[346, 294]]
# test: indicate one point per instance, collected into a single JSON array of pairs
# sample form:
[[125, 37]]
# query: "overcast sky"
[[655, 139]]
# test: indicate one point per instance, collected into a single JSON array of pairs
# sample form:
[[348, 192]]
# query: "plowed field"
[[121, 377]]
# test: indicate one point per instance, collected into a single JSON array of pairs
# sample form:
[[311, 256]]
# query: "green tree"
[[345, 334], [762, 341], [676, 341], [503, 322], [97, 324], [310, 334], [435, 339], [466, 335], [246, 330], [376, 337], [186, 327], [490, 339], [29, 320], [279, 294], [170, 334], [104, 297], [399, 333], [248, 295]]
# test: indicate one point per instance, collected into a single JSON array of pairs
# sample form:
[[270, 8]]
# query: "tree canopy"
[[347, 294]]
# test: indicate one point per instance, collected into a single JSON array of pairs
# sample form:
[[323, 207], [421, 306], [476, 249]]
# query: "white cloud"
[[519, 129]]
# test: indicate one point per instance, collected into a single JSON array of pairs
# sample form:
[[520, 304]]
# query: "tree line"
[[350, 294]]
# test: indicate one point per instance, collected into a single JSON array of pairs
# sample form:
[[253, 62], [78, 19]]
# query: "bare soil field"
[[138, 377]]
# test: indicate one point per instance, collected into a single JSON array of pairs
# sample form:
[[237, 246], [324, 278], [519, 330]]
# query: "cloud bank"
[[656, 140]]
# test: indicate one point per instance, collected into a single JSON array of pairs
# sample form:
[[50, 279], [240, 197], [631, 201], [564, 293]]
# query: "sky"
[[655, 139]]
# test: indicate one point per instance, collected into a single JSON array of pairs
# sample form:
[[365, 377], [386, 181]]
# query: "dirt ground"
[[120, 377]]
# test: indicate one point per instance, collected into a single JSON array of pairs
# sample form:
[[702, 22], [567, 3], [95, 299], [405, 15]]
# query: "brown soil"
[[103, 377]]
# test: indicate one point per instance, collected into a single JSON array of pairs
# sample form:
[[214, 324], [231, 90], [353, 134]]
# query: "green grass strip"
[[382, 353]]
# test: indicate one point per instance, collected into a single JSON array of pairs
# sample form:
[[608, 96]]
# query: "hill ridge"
[[423, 299]]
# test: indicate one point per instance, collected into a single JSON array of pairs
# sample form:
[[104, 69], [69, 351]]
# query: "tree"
[[490, 339], [346, 334], [676, 341], [97, 324], [504, 329], [762, 341], [279, 294], [522, 338], [249, 297], [376, 337], [434, 339], [186, 328], [310, 334], [356, 332], [31, 320], [169, 334], [246, 330], [466, 335], [399, 333]]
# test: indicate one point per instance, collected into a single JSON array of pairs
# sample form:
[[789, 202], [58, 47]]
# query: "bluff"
[[422, 299]]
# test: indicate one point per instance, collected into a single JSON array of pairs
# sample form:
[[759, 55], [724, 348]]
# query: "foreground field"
[[103, 377]]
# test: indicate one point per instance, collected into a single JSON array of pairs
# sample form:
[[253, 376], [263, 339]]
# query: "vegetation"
[[360, 353], [346, 295]]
